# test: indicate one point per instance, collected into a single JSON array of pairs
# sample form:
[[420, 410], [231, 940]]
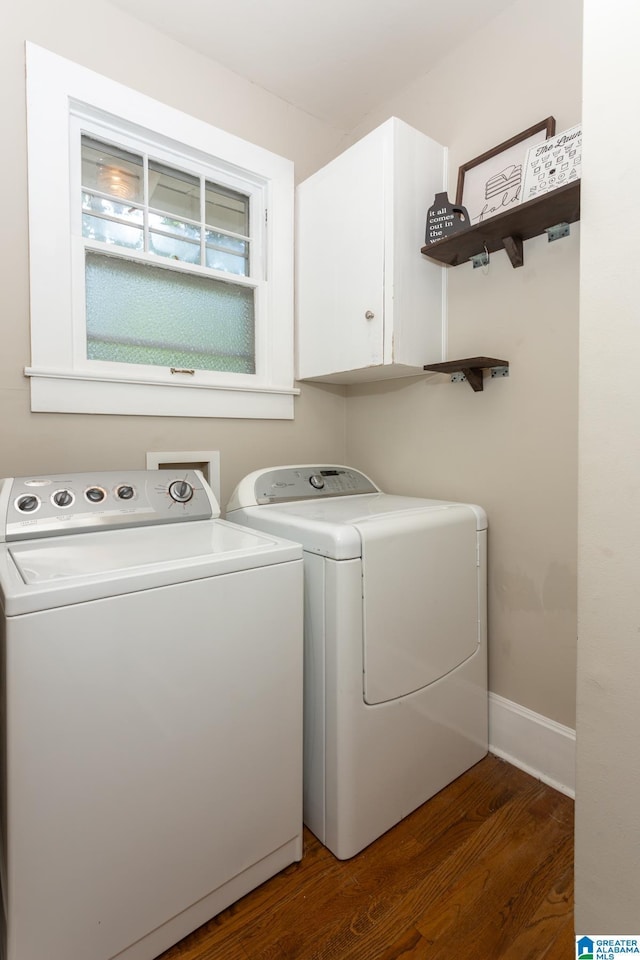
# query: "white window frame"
[[63, 99]]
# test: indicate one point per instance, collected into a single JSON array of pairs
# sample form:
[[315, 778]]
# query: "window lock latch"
[[181, 370]]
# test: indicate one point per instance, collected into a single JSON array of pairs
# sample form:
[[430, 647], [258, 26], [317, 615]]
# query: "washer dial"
[[63, 498], [181, 491], [27, 503]]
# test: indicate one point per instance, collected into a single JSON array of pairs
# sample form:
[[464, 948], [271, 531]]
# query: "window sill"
[[55, 391]]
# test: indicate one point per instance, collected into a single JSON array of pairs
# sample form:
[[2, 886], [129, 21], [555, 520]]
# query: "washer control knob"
[[95, 494], [124, 492], [63, 498], [316, 481], [181, 491], [28, 503]]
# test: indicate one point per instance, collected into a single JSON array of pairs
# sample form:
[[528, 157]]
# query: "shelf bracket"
[[480, 259], [515, 252], [558, 231], [474, 376], [472, 369]]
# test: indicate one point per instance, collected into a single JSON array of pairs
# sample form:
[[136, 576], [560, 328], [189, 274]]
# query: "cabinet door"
[[340, 262], [415, 317]]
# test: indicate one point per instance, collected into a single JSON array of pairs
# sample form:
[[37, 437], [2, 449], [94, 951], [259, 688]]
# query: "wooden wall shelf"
[[472, 368], [510, 229]]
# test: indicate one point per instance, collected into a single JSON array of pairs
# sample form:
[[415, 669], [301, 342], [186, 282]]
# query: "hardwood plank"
[[412, 946], [549, 932], [508, 901], [483, 869]]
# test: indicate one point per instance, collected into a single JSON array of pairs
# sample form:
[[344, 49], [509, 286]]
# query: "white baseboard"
[[535, 744]]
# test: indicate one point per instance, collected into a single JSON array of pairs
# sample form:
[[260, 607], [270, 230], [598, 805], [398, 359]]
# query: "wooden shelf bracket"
[[472, 368], [514, 248]]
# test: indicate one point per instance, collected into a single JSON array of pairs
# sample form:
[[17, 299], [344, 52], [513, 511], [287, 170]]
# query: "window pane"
[[119, 234], [226, 209], [219, 260], [176, 249], [173, 191], [226, 253], [138, 313], [111, 170], [176, 227], [112, 209], [227, 243]]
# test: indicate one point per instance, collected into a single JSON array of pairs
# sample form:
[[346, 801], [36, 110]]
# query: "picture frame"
[[492, 183]]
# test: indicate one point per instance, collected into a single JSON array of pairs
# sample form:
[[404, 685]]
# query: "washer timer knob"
[[181, 491], [316, 481], [28, 503]]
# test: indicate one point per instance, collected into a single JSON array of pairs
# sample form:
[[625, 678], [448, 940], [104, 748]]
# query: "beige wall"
[[512, 448], [608, 768], [106, 40]]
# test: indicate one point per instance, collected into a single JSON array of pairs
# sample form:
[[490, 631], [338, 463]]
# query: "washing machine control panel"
[[84, 502], [309, 483]]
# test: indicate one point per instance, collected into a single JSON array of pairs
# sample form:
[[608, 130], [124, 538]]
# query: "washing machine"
[[395, 642], [151, 712]]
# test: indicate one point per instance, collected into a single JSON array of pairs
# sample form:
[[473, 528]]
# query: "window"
[[136, 209], [161, 256]]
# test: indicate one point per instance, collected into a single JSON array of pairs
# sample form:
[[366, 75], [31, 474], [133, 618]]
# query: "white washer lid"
[[57, 571], [329, 526]]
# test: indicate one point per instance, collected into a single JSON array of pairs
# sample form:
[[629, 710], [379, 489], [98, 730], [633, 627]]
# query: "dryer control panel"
[[306, 482], [85, 502]]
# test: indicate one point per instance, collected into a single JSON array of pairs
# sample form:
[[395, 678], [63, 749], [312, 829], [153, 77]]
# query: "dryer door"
[[420, 598]]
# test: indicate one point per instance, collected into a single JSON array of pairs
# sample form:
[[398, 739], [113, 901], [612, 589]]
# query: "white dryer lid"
[[334, 526]]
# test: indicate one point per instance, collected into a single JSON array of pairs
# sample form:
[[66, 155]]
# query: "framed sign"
[[552, 164], [492, 183]]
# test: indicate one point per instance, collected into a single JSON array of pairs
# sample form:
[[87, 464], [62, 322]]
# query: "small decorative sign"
[[553, 163], [444, 219], [491, 183]]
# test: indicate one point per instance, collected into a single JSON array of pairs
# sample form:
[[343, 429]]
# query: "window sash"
[[139, 372], [202, 226], [187, 321], [83, 125]]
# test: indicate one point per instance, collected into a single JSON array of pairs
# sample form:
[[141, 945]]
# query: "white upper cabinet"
[[369, 305]]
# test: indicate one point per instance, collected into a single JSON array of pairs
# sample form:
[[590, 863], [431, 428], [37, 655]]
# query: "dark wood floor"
[[483, 871]]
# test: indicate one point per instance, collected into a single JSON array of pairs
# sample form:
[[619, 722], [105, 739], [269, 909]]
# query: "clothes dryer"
[[152, 712], [395, 642]]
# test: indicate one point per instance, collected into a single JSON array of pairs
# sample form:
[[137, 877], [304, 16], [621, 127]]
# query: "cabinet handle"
[[369, 315]]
